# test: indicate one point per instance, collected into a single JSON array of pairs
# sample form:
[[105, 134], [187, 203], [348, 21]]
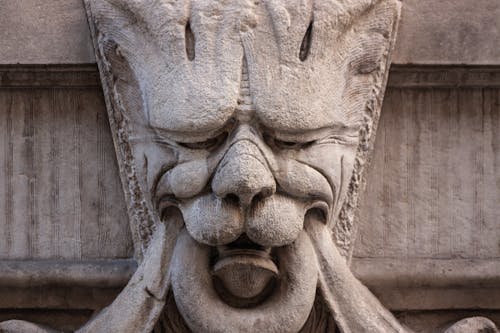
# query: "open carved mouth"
[[243, 285], [244, 273]]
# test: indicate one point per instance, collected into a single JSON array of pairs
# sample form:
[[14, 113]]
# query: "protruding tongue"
[[244, 269], [284, 309], [245, 276]]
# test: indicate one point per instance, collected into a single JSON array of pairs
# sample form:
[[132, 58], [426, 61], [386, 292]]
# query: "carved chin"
[[243, 289]]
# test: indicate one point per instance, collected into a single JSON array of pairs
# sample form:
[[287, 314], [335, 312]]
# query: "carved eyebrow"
[[194, 135], [185, 136], [315, 134]]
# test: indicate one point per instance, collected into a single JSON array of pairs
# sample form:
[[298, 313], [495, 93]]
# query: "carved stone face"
[[245, 181], [246, 120]]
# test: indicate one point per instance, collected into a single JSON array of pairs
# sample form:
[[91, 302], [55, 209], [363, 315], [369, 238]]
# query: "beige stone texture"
[[241, 256], [433, 187], [44, 32], [417, 286], [60, 196], [432, 32], [442, 32], [241, 195]]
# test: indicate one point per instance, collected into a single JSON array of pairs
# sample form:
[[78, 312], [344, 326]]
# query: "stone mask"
[[242, 130], [246, 123]]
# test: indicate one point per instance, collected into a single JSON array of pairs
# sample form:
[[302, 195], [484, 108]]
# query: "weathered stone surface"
[[438, 321], [254, 175], [61, 320], [473, 325], [406, 284], [44, 32], [477, 287], [44, 273], [60, 196], [17, 326], [259, 161], [449, 32], [432, 32], [433, 187]]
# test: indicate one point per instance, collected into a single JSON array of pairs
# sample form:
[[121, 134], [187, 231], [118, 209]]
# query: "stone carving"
[[242, 131]]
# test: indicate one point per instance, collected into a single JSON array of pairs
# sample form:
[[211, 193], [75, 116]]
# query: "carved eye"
[[280, 144], [305, 47], [209, 144]]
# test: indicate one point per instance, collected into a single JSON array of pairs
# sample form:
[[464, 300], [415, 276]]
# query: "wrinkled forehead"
[[286, 56]]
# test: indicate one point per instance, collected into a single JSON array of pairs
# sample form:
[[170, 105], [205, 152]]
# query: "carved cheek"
[[300, 179], [185, 180], [151, 159], [336, 163]]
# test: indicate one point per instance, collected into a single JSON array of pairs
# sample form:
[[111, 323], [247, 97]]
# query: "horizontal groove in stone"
[[444, 76], [435, 273], [87, 273], [428, 273], [401, 76], [401, 284], [49, 76]]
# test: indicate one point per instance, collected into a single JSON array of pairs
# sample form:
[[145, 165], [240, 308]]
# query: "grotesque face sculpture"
[[242, 128], [247, 122]]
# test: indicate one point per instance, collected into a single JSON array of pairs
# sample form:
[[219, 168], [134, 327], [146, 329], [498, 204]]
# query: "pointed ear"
[[370, 39], [137, 41], [348, 12], [116, 41], [117, 20], [373, 37], [145, 30]]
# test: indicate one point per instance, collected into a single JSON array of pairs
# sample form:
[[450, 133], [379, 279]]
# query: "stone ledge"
[[445, 76], [428, 273], [432, 284], [431, 32], [60, 284], [89, 273], [49, 76], [401, 76], [401, 284]]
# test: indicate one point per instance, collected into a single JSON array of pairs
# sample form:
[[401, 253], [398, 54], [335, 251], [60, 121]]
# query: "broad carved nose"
[[243, 173]]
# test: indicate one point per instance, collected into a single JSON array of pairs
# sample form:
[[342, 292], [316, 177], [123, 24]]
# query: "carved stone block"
[[242, 130]]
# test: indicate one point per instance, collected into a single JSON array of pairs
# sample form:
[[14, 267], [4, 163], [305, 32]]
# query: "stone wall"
[[429, 239], [431, 32], [60, 194]]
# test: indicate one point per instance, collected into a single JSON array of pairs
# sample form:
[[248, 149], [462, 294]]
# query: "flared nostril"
[[243, 176], [232, 199], [247, 197], [265, 193]]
